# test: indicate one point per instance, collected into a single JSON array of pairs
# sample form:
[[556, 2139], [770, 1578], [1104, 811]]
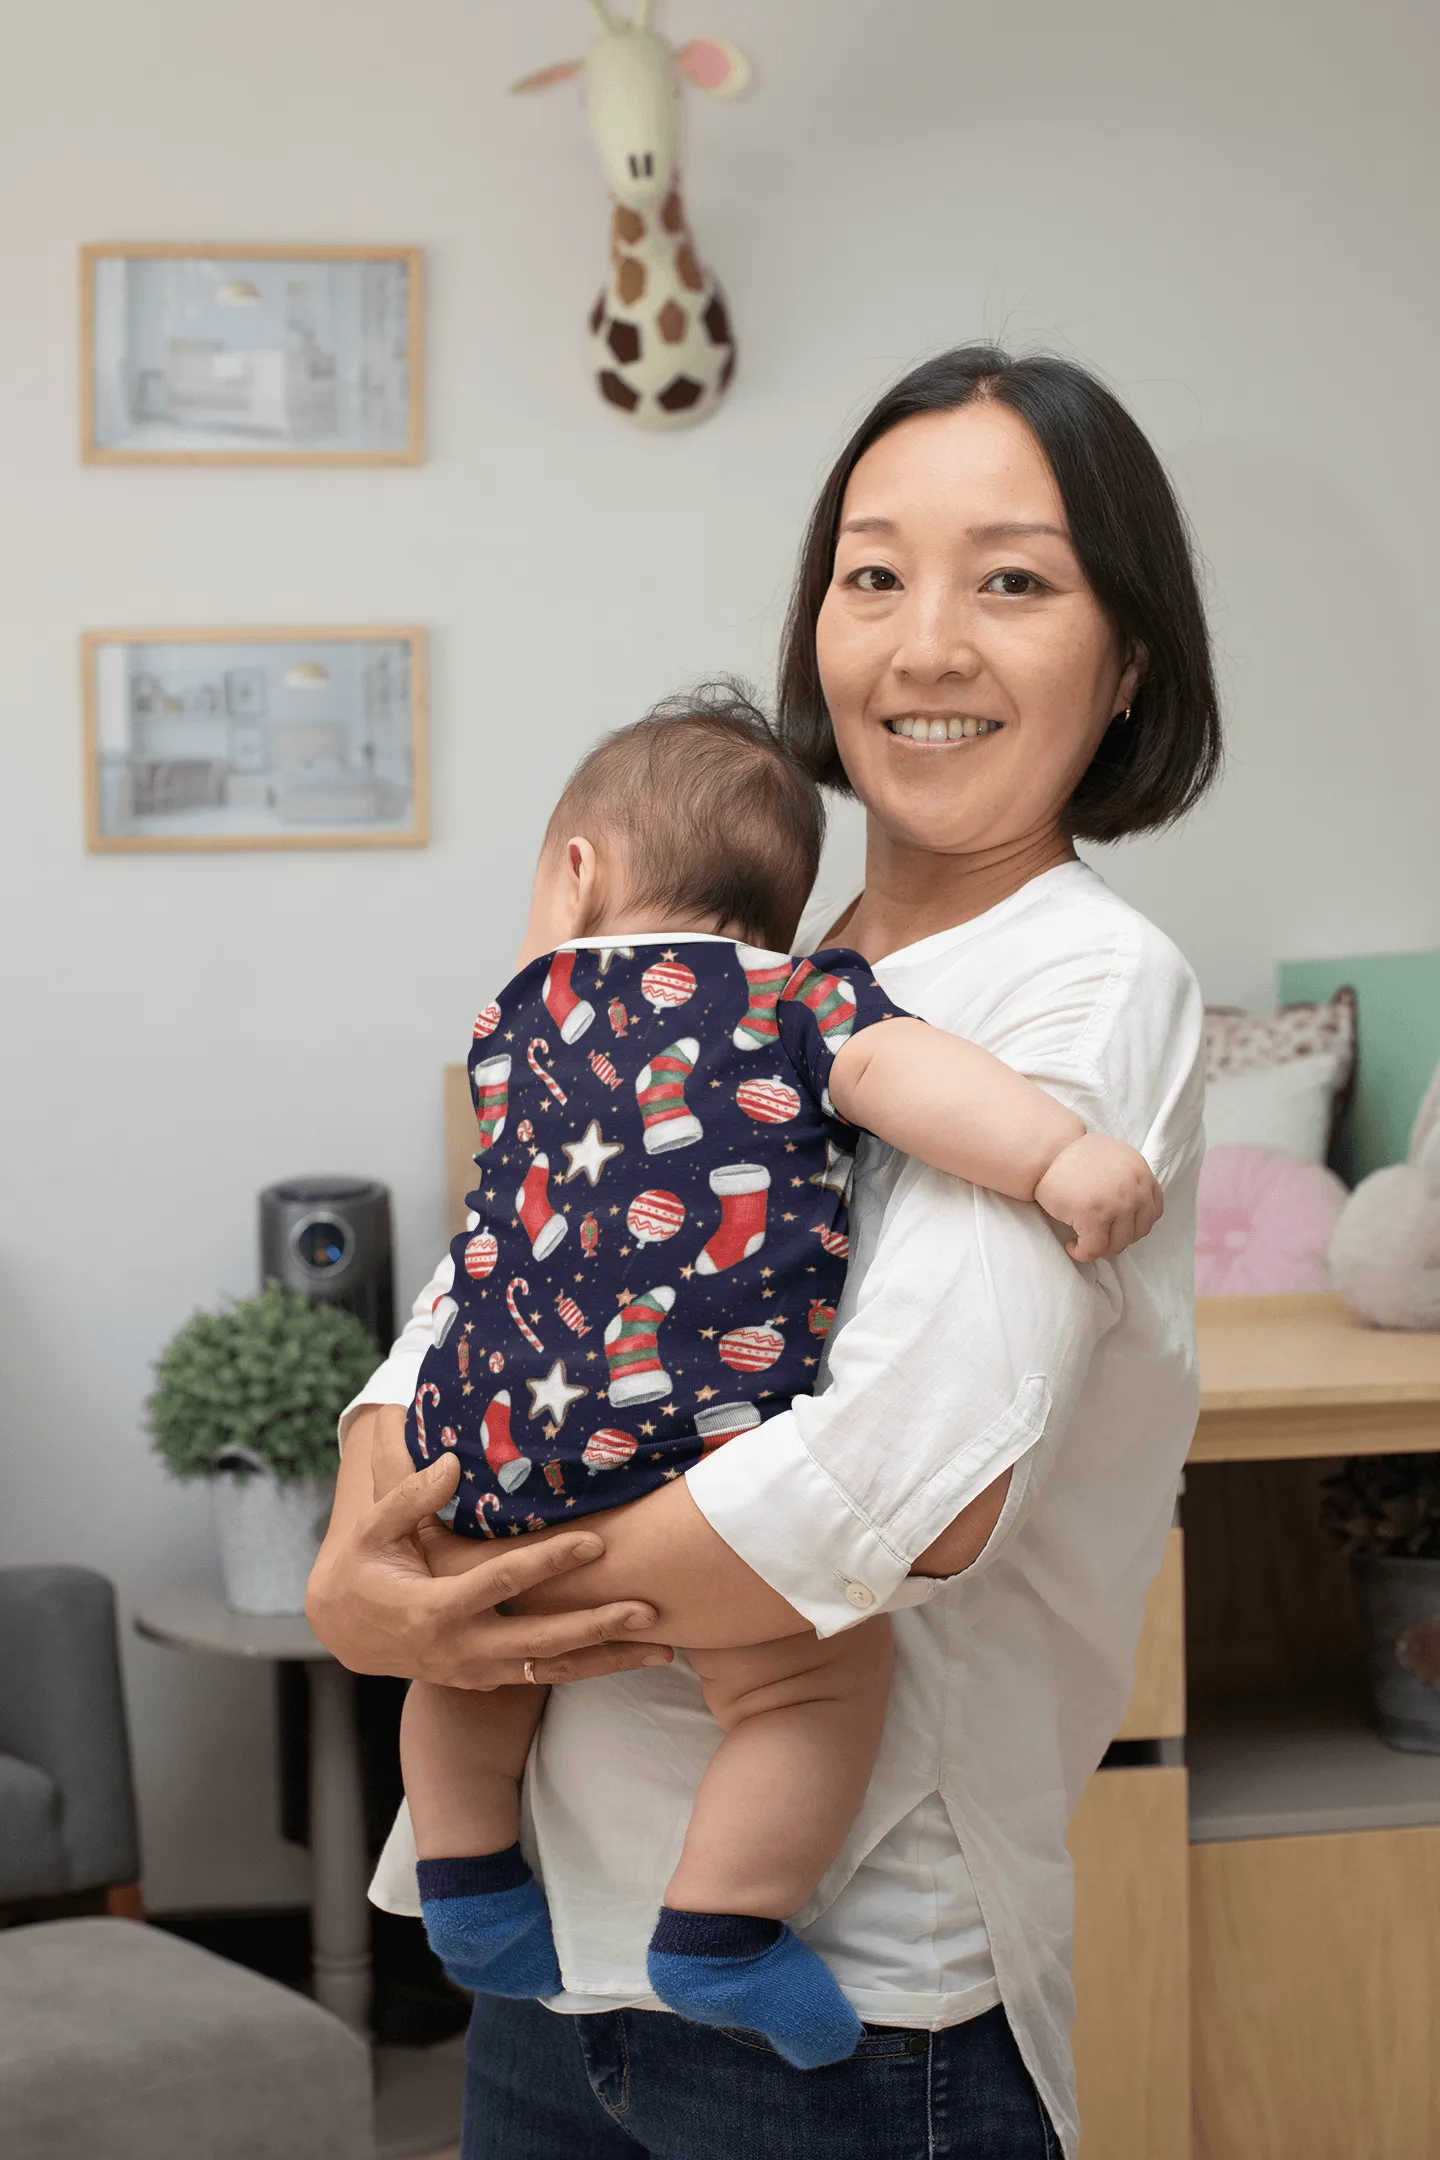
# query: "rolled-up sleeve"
[[968, 1342], [397, 1379]]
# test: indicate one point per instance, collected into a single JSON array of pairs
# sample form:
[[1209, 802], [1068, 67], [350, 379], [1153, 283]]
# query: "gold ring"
[[530, 1672]]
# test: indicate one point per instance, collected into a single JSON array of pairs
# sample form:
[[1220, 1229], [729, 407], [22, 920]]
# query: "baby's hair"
[[719, 822]]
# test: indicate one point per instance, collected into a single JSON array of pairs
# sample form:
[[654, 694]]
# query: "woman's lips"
[[941, 728]]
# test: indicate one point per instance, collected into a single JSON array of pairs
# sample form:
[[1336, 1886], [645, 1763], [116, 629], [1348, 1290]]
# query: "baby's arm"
[[952, 1105]]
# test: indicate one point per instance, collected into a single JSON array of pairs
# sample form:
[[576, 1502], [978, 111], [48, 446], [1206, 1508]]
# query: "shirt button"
[[859, 1595]]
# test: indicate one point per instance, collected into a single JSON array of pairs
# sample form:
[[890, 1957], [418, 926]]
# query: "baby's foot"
[[489, 1926], [728, 1969]]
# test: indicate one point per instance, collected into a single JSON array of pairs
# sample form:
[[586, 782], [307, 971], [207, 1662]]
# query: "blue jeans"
[[642, 2085]]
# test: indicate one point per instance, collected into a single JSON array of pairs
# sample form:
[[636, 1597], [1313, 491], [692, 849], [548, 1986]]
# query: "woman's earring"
[[1120, 718]]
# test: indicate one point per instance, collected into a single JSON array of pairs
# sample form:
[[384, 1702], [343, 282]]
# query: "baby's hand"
[[1105, 1191]]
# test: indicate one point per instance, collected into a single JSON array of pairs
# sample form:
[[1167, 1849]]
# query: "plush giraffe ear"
[[714, 64], [546, 78]]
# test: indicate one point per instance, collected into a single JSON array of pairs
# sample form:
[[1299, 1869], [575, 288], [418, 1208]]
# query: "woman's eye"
[[873, 579], [1013, 584]]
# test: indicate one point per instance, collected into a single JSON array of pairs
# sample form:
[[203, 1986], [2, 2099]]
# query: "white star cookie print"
[[590, 1153], [552, 1396]]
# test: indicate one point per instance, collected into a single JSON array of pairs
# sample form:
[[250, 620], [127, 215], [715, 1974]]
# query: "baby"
[[668, 1103]]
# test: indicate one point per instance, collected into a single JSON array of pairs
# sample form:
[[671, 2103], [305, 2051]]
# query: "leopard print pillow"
[[1237, 1042]]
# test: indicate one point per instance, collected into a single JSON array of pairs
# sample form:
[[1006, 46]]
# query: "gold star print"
[[550, 1431], [591, 1355], [789, 1147], [767, 1293], [535, 1318], [667, 956], [787, 1217], [669, 1409], [624, 1252], [704, 1394], [807, 1361], [668, 1474], [614, 1210], [469, 1327], [468, 1389], [622, 1297], [707, 1334], [471, 1475], [489, 1192], [797, 1181], [646, 1431], [715, 1083], [686, 1273], [504, 1158], [509, 1034], [766, 1273], [579, 1275]]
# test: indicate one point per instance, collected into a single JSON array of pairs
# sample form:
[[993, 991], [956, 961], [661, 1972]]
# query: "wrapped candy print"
[[589, 1235], [619, 1018]]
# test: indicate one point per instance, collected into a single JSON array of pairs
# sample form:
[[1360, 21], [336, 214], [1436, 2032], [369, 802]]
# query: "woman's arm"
[[949, 1103]]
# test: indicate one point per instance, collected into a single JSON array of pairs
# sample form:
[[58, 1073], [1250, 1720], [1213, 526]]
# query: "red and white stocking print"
[[442, 1319], [542, 1224], [632, 1349], [491, 1080], [571, 1013], [511, 1468], [743, 1192], [660, 1091], [766, 974], [719, 1422], [830, 997]]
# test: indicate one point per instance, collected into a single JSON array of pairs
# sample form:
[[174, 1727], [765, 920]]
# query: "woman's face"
[[969, 670]]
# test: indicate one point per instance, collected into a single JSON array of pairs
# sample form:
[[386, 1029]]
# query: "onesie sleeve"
[[827, 999]]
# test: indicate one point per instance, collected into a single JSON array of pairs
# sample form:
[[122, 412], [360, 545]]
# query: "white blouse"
[[966, 1344]]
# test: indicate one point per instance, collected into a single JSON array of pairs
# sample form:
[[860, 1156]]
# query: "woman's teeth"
[[917, 729]]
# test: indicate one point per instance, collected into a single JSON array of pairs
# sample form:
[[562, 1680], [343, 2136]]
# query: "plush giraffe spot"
[[630, 280], [619, 393], [629, 225], [597, 316], [672, 322], [624, 341], [672, 217], [691, 274], [681, 394], [717, 322]]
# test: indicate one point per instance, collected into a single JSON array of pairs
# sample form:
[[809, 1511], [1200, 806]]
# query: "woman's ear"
[[1136, 668]]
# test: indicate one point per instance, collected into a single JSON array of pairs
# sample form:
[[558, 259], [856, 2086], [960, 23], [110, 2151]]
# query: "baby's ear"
[[714, 64]]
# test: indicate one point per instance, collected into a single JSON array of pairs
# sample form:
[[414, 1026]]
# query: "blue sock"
[[489, 1926], [729, 1969]]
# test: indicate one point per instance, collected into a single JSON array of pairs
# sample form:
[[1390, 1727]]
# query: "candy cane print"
[[426, 1387], [490, 1500], [517, 1316], [539, 1043]]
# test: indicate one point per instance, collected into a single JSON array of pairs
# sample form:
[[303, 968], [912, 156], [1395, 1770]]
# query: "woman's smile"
[[941, 731]]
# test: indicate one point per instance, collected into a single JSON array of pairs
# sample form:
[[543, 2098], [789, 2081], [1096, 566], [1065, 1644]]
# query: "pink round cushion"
[[1265, 1221]]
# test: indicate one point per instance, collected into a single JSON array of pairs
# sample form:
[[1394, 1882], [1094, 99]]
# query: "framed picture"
[[255, 739], [251, 355]]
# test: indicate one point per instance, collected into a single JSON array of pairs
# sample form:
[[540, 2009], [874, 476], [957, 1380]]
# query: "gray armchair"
[[67, 1804]]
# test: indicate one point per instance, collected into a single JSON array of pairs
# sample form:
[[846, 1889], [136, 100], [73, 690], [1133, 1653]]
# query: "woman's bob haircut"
[[1134, 546]]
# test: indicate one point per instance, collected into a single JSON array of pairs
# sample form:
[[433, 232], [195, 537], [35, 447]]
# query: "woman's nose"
[[936, 639]]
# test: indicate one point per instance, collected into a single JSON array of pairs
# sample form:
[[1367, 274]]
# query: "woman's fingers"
[[402, 1511], [589, 1664], [514, 1569]]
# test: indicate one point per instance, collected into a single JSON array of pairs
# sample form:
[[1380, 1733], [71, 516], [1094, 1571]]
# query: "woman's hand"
[[375, 1604]]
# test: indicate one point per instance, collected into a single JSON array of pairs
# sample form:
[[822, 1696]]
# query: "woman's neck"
[[910, 893]]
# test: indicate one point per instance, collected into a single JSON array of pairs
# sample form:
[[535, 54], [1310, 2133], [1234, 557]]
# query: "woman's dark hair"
[[719, 820], [1134, 546]]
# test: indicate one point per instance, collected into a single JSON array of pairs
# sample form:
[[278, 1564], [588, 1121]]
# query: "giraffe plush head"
[[660, 339]]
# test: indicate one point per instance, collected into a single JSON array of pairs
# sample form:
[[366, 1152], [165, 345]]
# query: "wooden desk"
[[1287, 1377]]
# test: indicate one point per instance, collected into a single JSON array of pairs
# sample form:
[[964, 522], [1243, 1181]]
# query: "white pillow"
[[1275, 1106]]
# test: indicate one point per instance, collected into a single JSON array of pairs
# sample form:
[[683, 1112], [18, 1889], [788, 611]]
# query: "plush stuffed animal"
[[660, 338], [1385, 1254]]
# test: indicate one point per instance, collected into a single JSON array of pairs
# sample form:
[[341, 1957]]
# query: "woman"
[[997, 643]]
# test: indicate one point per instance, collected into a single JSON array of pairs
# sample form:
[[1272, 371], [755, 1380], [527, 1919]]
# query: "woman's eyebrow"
[[869, 524], [1015, 529]]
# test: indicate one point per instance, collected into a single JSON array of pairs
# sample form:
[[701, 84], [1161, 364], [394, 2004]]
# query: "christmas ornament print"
[[668, 984], [572, 1014], [481, 1254], [660, 1091], [608, 1449], [508, 1466], [743, 1190], [515, 1313], [486, 1021], [719, 1422], [766, 975], [603, 1070], [540, 1048], [571, 1314], [632, 1349], [619, 1018], [426, 1392], [491, 1082], [829, 997], [751, 1349], [539, 1220], [769, 1102], [654, 1216], [442, 1319], [589, 1236]]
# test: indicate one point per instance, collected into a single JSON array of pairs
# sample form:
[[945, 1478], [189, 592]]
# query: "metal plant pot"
[[1399, 1602], [269, 1532]]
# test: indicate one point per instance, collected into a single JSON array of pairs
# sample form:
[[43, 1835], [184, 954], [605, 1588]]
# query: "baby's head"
[[694, 818]]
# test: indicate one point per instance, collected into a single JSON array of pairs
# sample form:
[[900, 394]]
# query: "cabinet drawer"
[[1157, 1706]]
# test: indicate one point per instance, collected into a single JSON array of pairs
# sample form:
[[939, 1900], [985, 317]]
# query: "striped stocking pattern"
[[632, 1349], [660, 1092], [766, 974], [491, 1081], [829, 997]]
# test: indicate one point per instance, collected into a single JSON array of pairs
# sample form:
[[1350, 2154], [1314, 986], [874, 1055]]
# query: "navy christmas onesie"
[[659, 1228]]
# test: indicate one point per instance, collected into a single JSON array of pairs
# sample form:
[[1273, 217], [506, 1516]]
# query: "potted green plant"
[[1385, 1511], [248, 1397]]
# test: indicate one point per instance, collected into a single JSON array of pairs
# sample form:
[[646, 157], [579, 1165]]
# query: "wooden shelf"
[[1283, 1377], [1295, 1766]]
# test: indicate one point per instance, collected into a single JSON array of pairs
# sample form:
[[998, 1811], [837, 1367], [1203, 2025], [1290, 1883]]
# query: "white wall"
[[1230, 209]]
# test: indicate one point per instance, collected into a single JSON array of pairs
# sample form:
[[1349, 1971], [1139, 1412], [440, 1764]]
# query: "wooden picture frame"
[[246, 395], [255, 743]]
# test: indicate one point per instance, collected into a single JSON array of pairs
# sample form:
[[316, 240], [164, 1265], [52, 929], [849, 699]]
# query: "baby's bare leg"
[[463, 1756], [802, 1720]]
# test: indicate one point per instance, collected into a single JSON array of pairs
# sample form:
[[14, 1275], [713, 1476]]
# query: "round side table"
[[340, 1869]]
